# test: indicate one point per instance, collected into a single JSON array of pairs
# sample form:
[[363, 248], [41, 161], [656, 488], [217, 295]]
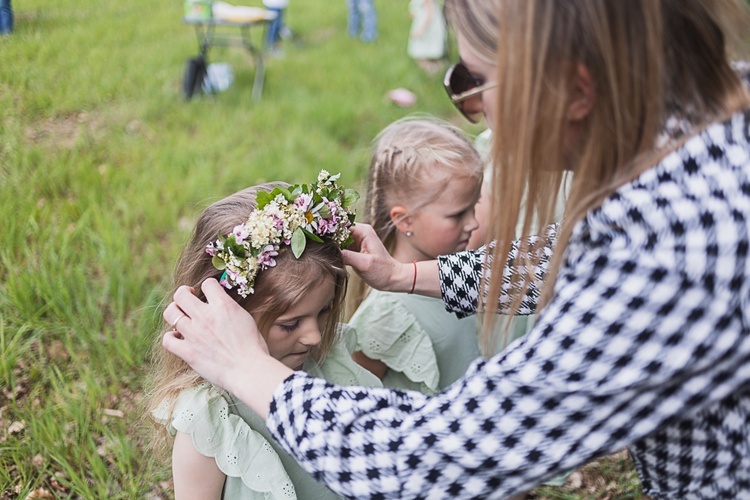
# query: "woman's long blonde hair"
[[276, 290], [648, 60]]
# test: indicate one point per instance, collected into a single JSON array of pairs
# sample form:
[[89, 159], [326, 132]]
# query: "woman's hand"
[[372, 262], [378, 269], [221, 341]]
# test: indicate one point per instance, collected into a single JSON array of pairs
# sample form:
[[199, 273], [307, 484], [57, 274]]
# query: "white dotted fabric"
[[203, 413]]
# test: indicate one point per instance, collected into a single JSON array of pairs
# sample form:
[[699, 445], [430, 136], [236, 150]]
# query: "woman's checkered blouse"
[[645, 344]]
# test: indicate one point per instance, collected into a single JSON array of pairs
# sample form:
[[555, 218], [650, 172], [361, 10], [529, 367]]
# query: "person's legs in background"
[[6, 17], [272, 37], [369, 20], [352, 11]]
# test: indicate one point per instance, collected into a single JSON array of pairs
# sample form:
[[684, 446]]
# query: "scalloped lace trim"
[[239, 451], [394, 336]]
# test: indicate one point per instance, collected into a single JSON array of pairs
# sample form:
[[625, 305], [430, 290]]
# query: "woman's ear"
[[582, 100], [401, 218]]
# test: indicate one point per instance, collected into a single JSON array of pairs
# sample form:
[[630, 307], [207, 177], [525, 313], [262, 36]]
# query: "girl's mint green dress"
[[425, 347], [226, 429]]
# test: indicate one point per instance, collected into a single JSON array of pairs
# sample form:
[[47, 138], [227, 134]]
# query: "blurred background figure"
[[427, 34], [276, 27], [362, 19], [6, 17]]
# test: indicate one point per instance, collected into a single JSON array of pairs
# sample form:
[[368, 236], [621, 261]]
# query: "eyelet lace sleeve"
[[387, 331], [339, 367], [239, 451]]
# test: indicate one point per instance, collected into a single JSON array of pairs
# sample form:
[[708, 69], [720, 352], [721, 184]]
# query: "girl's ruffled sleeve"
[[387, 331], [203, 413]]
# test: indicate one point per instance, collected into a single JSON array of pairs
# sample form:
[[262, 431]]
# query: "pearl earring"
[[408, 233]]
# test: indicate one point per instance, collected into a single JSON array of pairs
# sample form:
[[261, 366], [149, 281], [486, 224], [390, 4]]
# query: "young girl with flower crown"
[[278, 253], [424, 181]]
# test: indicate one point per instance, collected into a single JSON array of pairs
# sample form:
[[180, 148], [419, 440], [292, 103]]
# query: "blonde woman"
[[643, 333]]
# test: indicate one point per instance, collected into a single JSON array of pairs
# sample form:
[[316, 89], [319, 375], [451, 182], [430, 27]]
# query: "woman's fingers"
[[187, 301], [173, 342], [217, 337], [216, 295], [355, 259], [361, 232], [174, 315], [372, 262]]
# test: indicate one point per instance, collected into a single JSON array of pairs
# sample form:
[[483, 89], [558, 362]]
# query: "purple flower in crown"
[[333, 207], [304, 201], [266, 257], [240, 233], [332, 222]]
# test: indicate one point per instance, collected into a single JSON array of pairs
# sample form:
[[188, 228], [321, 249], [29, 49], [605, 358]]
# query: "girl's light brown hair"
[[648, 60], [276, 290]]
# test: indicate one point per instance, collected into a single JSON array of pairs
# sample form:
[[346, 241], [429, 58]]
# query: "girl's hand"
[[221, 341], [372, 262]]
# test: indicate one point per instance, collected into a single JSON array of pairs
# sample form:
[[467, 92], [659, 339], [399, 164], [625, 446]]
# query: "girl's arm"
[[195, 476], [374, 366]]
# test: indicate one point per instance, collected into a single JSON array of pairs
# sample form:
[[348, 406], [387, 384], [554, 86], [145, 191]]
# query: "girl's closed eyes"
[[289, 327], [292, 324]]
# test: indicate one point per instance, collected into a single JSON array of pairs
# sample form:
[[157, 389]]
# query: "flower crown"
[[285, 216]]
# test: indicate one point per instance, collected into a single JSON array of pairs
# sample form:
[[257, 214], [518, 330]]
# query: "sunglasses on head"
[[465, 91]]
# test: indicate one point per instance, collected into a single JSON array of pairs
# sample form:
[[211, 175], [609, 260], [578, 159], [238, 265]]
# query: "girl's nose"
[[471, 222], [312, 336]]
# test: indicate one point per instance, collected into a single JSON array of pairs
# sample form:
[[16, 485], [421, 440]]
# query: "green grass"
[[103, 170]]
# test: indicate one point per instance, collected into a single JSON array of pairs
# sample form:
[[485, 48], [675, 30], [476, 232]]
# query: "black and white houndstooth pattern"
[[645, 345], [460, 277]]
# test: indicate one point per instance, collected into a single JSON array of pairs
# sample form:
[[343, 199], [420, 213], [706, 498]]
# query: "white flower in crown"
[[283, 217]]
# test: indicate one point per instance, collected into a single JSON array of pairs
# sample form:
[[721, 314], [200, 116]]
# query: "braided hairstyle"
[[413, 159]]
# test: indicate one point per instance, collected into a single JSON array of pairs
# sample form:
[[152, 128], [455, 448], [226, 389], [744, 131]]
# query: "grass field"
[[103, 169]]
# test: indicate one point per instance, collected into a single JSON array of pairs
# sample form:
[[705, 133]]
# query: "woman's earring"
[[408, 233]]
